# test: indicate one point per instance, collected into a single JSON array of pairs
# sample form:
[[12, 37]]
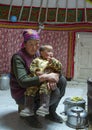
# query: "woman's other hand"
[[51, 85]]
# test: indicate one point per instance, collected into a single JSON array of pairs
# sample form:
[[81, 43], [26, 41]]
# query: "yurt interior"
[[67, 26]]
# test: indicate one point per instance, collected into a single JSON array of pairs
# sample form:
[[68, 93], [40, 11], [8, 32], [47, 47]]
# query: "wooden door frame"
[[76, 54]]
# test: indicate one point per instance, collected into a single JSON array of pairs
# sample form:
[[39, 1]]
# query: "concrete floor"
[[10, 120]]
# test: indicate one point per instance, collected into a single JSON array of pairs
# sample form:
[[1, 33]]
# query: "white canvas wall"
[[51, 3]]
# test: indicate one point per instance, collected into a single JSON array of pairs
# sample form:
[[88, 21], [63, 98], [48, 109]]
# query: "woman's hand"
[[52, 77]]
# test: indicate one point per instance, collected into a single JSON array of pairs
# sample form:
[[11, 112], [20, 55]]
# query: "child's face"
[[47, 54]]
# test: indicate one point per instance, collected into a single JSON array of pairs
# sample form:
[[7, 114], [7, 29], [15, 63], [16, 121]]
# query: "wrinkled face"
[[47, 54], [32, 46]]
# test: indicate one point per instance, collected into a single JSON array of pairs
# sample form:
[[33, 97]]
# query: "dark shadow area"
[[12, 121]]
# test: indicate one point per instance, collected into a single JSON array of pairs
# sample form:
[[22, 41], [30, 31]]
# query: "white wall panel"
[[36, 3], [62, 3], [81, 3], [71, 3], [89, 5], [51, 3]]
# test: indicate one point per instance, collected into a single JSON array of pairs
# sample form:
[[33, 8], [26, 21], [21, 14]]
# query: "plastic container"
[[4, 81]]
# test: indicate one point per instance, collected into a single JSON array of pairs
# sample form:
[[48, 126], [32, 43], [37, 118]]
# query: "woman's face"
[[32, 46]]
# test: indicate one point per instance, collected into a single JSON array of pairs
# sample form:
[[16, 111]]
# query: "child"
[[46, 63]]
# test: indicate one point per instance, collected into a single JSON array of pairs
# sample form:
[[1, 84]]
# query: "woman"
[[20, 79]]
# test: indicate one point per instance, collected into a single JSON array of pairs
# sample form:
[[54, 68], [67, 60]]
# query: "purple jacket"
[[22, 57]]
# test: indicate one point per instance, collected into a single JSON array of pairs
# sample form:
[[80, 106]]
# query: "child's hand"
[[50, 59], [38, 73], [51, 85]]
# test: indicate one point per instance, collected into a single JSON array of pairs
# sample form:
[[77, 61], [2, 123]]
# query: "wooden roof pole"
[[46, 11], [57, 8], [10, 9], [40, 11], [66, 11], [30, 10], [85, 10], [76, 10], [21, 10]]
